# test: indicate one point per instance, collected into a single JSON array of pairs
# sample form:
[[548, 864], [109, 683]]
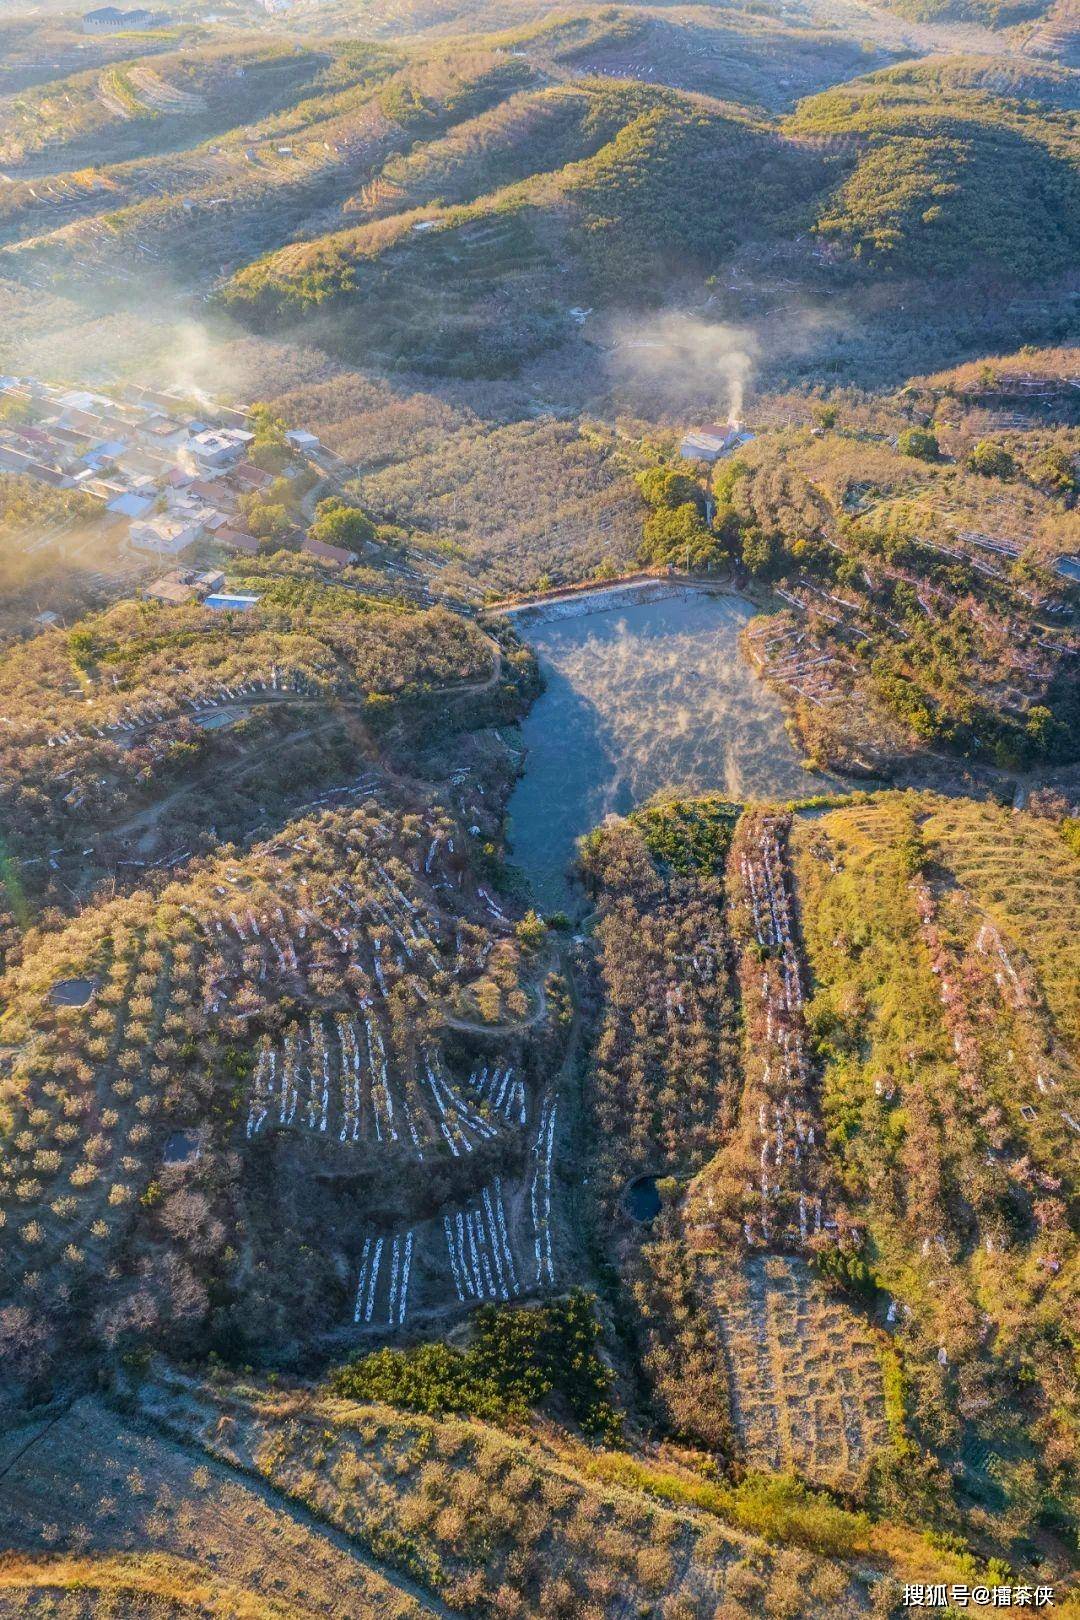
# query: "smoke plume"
[[679, 363]]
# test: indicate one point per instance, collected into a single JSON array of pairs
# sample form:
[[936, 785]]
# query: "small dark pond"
[[643, 1199], [71, 992], [179, 1146]]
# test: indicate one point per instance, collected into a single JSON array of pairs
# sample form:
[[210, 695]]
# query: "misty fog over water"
[[639, 699]]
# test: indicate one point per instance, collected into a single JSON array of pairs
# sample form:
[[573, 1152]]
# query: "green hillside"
[[155, 103], [945, 1020], [186, 216], [991, 13], [933, 588], [675, 188], [948, 176]]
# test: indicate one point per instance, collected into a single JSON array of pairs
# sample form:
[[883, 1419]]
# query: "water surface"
[[71, 992], [640, 698], [643, 1199]]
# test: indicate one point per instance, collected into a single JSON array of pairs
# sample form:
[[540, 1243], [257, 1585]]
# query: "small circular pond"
[[71, 992], [643, 1199], [181, 1146]]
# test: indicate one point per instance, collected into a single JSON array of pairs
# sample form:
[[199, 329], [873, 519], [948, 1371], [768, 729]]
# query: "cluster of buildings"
[[111, 20], [182, 585], [169, 477]]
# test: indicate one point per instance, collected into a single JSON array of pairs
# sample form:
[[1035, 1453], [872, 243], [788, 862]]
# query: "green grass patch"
[[778, 1507], [688, 835]]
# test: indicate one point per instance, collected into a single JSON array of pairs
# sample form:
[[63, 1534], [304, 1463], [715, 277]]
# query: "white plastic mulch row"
[[502, 1093], [786, 1131], [478, 1245], [540, 1190]]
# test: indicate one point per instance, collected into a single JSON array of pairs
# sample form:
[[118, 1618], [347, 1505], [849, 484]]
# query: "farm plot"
[[785, 651], [497, 1245], [805, 1380], [364, 1075], [102, 752], [462, 1500], [662, 1090], [277, 655], [771, 1177], [999, 1025], [286, 1011], [96, 1487], [942, 937]]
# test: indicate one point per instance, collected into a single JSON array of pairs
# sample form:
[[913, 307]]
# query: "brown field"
[[91, 1484], [805, 1380]]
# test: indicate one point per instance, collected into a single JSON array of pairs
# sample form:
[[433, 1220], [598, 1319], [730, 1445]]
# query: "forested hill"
[[446, 205]]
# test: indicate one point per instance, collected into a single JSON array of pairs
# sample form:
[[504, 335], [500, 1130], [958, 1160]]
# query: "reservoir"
[[642, 697]]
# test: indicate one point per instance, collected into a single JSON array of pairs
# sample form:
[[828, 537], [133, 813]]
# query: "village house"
[[214, 449], [336, 556], [139, 463], [183, 585], [708, 444], [166, 535], [65, 443], [100, 427], [31, 435], [249, 477], [13, 460], [111, 20], [303, 441], [131, 504], [237, 540], [162, 433], [215, 491]]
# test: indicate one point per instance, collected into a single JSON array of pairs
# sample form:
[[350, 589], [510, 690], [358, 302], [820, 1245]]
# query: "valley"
[[539, 810]]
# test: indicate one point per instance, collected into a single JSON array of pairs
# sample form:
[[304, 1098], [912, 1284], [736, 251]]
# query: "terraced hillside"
[[371, 1243], [154, 740], [179, 219], [463, 207], [156, 102], [495, 1525], [945, 1020], [806, 1379], [869, 1280], [983, 173], [949, 171], [234, 1072], [482, 278], [924, 572]]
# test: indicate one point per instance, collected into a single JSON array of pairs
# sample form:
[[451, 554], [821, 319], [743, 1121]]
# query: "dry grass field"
[[131, 1513], [364, 1511]]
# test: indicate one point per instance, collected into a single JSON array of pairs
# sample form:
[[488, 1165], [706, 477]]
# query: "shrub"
[[920, 443], [665, 487], [338, 524], [1055, 470], [517, 1359], [991, 460], [680, 536]]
